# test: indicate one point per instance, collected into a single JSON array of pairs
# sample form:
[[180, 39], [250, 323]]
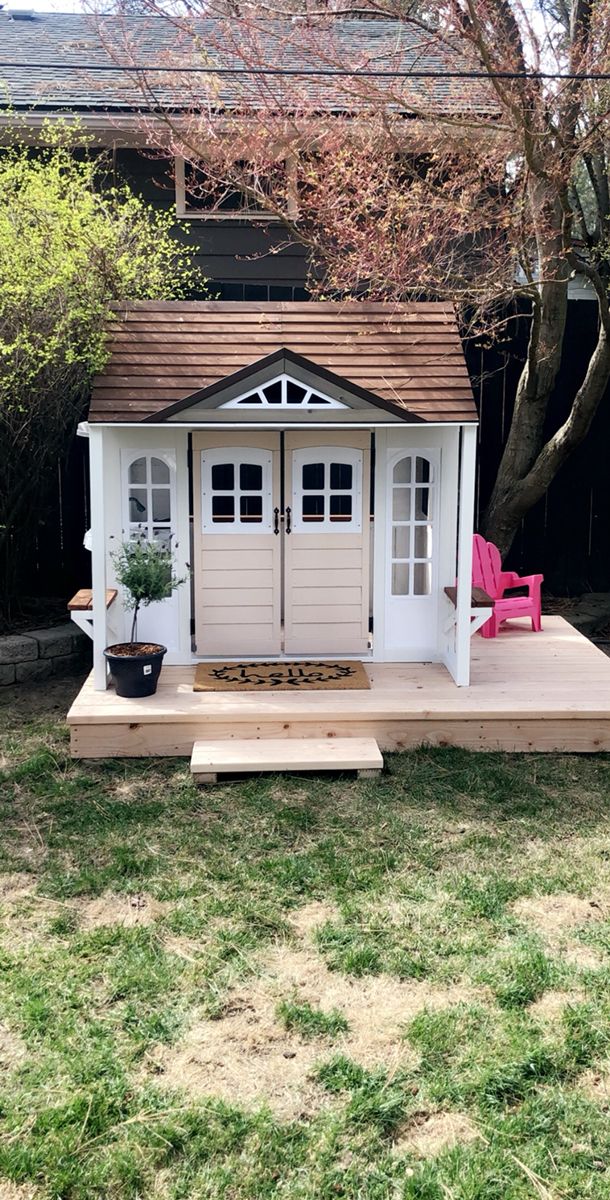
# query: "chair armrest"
[[533, 583], [510, 579]]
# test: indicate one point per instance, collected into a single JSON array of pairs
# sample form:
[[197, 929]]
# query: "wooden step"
[[210, 759]]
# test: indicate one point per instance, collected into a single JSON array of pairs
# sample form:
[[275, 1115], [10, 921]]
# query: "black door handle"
[[276, 520], [288, 516]]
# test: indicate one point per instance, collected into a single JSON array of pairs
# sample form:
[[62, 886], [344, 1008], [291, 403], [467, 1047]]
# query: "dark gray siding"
[[237, 257]]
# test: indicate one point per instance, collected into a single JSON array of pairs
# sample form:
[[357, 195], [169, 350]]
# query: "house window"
[[253, 194], [283, 392], [149, 497], [412, 519]]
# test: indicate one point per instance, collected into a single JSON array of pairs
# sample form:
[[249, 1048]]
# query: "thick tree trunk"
[[508, 501], [509, 504]]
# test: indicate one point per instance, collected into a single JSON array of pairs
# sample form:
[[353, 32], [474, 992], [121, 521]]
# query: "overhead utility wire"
[[582, 76]]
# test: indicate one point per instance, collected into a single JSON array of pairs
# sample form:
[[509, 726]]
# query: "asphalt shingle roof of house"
[[55, 56], [409, 355]]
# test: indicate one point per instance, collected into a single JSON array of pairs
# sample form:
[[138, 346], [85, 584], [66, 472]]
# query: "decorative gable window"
[[283, 392]]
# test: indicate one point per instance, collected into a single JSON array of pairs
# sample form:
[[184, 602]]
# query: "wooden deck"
[[529, 691]]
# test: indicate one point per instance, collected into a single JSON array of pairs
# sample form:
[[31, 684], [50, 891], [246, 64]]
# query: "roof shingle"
[[55, 56]]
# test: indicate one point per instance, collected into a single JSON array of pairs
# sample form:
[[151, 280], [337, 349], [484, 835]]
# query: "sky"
[[45, 5]]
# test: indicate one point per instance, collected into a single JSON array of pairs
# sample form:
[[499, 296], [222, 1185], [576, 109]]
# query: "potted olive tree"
[[145, 572]]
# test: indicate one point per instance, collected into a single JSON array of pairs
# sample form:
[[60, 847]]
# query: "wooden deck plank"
[[529, 691]]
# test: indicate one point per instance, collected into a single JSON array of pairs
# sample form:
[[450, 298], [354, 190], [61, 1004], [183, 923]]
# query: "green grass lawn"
[[302, 988]]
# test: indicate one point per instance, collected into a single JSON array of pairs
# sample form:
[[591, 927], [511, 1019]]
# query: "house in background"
[[62, 69]]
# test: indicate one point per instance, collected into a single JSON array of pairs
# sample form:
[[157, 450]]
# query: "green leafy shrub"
[[71, 250], [145, 571]]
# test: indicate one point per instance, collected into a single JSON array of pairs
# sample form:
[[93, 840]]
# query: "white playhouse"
[[313, 466]]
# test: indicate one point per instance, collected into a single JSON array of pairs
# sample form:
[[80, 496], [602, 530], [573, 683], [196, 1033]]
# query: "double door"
[[281, 542]]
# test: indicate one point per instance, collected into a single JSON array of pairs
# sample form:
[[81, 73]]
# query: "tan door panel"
[[326, 546], [237, 552]]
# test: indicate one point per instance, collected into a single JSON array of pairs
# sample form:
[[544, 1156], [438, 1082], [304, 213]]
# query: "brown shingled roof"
[[408, 355]]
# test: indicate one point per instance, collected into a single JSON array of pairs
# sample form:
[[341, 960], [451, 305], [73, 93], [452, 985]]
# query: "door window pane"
[[340, 508], [401, 541], [423, 541], [223, 477], [313, 476], [402, 471], [422, 503], [160, 504], [341, 475], [401, 504], [159, 471], [423, 473], [138, 504], [223, 508], [313, 508], [422, 579], [400, 579], [162, 537], [250, 477], [251, 508], [137, 471]]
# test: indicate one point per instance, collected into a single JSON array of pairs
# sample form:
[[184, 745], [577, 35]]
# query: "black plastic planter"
[[135, 667]]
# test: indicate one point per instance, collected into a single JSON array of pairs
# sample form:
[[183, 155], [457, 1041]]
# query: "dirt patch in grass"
[[111, 909], [15, 887], [12, 1049], [248, 1058], [553, 916], [595, 1083], [556, 917], [551, 1005], [311, 916], [430, 1133], [16, 1191]]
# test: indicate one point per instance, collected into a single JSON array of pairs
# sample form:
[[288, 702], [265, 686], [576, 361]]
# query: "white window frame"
[[247, 214], [134, 528], [413, 523], [347, 455], [236, 455], [307, 403]]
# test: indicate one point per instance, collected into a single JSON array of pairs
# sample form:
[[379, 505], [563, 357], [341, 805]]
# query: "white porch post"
[[98, 556], [464, 557]]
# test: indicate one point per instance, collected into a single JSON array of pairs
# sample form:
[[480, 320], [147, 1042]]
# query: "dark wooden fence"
[[567, 535], [60, 564]]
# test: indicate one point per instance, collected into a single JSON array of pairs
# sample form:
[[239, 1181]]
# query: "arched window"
[[149, 497], [413, 490], [283, 392]]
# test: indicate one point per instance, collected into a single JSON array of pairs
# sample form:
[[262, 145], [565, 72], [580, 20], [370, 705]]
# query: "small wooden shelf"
[[478, 598], [83, 600]]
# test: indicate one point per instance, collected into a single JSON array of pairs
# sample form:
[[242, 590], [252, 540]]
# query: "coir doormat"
[[279, 677]]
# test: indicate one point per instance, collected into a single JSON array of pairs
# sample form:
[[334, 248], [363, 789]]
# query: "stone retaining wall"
[[39, 653]]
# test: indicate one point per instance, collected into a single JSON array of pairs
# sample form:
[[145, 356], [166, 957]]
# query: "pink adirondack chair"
[[487, 573]]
